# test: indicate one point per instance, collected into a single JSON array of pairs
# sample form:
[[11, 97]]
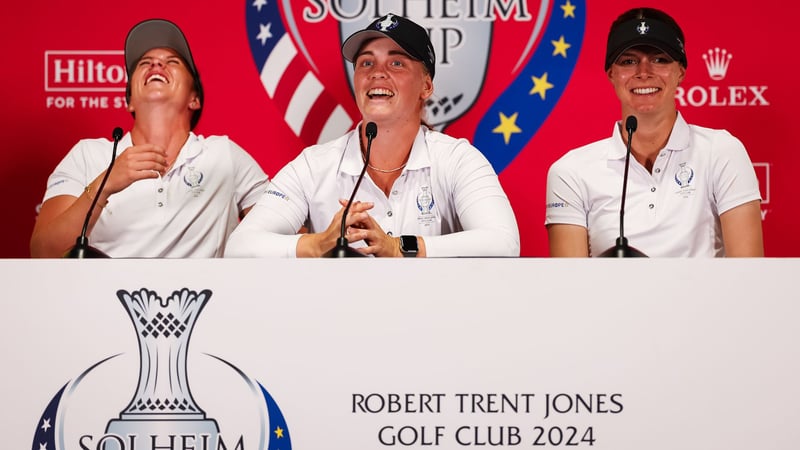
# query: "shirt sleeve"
[[249, 177], [735, 178], [271, 226], [483, 209], [73, 173], [564, 203]]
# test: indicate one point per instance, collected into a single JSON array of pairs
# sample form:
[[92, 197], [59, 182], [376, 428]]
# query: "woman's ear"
[[427, 88]]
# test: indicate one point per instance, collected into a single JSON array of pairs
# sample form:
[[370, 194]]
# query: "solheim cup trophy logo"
[[163, 402], [163, 415], [501, 66]]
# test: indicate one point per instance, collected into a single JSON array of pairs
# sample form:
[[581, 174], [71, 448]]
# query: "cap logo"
[[643, 28], [388, 23]]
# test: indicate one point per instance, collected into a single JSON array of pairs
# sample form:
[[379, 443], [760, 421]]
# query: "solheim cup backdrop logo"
[[284, 34], [89, 412]]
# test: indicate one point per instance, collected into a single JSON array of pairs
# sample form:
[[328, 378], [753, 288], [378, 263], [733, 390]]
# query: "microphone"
[[622, 249], [82, 249], [342, 249]]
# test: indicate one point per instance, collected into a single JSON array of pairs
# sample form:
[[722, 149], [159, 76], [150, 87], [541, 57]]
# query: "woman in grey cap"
[[424, 194], [691, 191], [171, 193]]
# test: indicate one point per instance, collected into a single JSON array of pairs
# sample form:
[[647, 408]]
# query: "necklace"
[[386, 170], [375, 168]]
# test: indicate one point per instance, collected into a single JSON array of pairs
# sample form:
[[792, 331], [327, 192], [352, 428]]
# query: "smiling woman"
[[693, 189], [429, 194], [171, 193], [160, 34]]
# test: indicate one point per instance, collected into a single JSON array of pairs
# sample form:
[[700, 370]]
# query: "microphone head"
[[631, 124], [117, 133], [371, 130]]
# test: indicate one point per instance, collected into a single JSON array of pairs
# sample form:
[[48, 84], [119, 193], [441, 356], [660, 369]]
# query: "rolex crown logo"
[[717, 61]]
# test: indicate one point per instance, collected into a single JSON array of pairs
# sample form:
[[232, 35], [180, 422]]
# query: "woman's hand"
[[317, 244], [365, 228]]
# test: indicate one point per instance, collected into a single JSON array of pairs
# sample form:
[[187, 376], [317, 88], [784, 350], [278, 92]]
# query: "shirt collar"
[[419, 157], [190, 150], [353, 162], [678, 139]]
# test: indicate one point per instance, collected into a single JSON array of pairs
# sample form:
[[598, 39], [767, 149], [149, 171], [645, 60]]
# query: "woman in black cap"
[[692, 191], [424, 194], [171, 193]]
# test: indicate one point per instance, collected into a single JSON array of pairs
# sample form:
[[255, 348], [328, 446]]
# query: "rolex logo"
[[717, 61]]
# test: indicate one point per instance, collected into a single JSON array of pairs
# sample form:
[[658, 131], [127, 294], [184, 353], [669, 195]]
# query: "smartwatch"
[[409, 246]]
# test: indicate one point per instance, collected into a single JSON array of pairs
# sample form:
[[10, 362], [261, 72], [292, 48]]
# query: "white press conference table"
[[449, 353]]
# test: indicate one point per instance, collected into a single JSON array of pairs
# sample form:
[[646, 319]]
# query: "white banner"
[[376, 354]]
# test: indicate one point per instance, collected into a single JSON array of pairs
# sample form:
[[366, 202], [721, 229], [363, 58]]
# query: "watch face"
[[408, 244]]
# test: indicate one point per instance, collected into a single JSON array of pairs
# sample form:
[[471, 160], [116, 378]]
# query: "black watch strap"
[[409, 246]]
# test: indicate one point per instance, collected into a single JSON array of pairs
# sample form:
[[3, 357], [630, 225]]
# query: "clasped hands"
[[361, 226]]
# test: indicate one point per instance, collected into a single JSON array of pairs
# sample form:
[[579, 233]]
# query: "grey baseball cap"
[[156, 33]]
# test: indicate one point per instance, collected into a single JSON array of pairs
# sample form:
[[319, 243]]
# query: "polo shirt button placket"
[[161, 194]]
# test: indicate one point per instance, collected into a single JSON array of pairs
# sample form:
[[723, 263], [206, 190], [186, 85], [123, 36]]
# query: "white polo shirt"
[[189, 212], [448, 193], [674, 211]]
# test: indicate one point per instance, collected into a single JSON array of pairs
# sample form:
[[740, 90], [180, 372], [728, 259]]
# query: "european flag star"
[[279, 432], [560, 47], [569, 10], [507, 126], [540, 86]]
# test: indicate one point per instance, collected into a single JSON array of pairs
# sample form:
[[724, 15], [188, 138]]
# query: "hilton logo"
[[717, 62], [84, 79], [84, 71]]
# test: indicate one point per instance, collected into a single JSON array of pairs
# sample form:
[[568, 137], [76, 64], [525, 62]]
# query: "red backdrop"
[[753, 100]]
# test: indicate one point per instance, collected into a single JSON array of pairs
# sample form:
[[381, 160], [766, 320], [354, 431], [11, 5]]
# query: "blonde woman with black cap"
[[692, 191], [424, 193], [171, 193]]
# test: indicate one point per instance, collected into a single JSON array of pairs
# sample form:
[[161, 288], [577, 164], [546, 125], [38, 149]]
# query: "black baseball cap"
[[646, 31], [411, 37]]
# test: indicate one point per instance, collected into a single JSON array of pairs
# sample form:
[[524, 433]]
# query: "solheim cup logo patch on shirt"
[[193, 178], [533, 53], [684, 177], [425, 203]]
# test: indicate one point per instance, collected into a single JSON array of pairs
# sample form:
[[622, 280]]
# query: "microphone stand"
[[343, 249], [622, 249], [82, 249]]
